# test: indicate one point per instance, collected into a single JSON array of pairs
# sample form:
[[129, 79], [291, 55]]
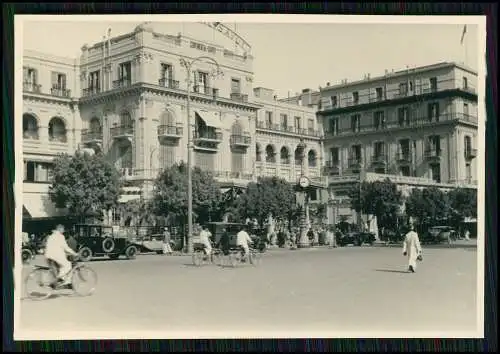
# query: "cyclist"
[[242, 241], [205, 236], [56, 250]]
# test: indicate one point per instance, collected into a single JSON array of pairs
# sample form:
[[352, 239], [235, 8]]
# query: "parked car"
[[355, 238], [99, 240], [439, 234]]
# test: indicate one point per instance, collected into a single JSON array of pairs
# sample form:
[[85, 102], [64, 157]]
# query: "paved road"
[[347, 289]]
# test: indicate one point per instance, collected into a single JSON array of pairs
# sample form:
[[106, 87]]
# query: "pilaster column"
[[43, 133]]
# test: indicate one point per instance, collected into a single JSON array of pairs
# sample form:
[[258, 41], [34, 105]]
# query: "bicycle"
[[237, 256], [200, 258], [46, 278]]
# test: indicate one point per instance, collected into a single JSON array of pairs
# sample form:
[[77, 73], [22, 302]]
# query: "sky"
[[289, 57]]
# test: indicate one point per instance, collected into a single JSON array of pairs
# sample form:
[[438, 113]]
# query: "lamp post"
[[187, 64], [303, 185]]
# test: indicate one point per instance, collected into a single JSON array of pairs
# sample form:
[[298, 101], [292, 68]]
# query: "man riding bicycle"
[[56, 251], [205, 236], [242, 241]]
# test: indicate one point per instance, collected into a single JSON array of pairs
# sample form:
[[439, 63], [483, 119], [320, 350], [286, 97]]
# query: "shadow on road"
[[391, 271]]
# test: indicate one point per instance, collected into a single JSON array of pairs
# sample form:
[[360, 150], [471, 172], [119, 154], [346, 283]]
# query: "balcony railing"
[[122, 131], [470, 153], [354, 163], [168, 83], [89, 136], [206, 90], [60, 92], [241, 140], [32, 87], [403, 157], [432, 154], [122, 83], [236, 96], [228, 175], [379, 159], [172, 131], [288, 129], [394, 92], [424, 121], [215, 135], [90, 91]]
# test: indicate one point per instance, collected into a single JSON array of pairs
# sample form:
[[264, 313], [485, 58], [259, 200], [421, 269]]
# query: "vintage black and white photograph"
[[222, 176]]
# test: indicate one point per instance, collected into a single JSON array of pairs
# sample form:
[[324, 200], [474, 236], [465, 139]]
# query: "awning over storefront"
[[38, 206], [210, 119]]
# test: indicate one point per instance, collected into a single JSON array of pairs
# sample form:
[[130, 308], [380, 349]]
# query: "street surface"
[[292, 292]]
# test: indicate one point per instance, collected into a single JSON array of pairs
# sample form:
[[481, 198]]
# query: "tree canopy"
[[171, 197], [84, 184], [268, 196], [463, 202], [379, 198], [428, 205]]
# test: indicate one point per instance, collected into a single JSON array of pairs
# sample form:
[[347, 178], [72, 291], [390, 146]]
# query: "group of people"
[[243, 240]]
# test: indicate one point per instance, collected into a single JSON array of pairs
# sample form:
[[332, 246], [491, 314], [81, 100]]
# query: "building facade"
[[127, 98], [418, 127]]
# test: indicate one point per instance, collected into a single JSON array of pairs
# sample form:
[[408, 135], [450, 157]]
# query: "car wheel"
[[108, 245], [131, 252], [27, 256], [85, 254]]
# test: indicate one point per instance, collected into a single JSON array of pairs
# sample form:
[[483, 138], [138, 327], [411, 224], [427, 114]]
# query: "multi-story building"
[[127, 98], [418, 127], [50, 124]]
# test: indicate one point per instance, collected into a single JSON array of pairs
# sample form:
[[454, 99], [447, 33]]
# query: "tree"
[[171, 197], [84, 184], [138, 212], [463, 202], [379, 198], [428, 206], [268, 196]]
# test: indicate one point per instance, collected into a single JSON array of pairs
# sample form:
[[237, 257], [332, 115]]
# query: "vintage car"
[[355, 238], [95, 240], [438, 234]]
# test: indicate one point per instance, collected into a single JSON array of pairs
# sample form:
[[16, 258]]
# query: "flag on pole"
[[463, 34]]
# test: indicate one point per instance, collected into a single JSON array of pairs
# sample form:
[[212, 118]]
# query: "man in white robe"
[[56, 250], [412, 249]]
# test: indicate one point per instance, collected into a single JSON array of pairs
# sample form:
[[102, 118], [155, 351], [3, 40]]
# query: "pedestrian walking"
[[167, 249], [412, 248]]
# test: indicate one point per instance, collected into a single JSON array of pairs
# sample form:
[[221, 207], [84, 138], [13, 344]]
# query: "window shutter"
[[35, 77], [53, 80]]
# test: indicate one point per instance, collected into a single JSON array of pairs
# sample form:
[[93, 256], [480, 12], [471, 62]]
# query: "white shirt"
[[56, 247], [205, 236], [243, 238]]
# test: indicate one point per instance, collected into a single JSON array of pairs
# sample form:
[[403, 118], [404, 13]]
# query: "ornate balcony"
[[206, 90], [379, 160], [433, 155], [173, 84], [60, 92], [122, 132], [240, 141], [404, 158], [122, 83], [236, 96], [91, 137], [207, 140], [355, 164], [332, 167], [470, 153], [32, 87], [90, 91], [170, 132]]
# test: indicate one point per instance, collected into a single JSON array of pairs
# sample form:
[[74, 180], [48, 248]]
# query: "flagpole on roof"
[[463, 42]]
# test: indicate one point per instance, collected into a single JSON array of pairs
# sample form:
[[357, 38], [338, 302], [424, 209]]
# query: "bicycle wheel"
[[233, 259], [84, 280], [38, 284], [197, 258], [217, 258], [255, 258]]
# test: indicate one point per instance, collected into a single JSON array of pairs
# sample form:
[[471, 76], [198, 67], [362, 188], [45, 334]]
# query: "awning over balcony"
[[210, 119]]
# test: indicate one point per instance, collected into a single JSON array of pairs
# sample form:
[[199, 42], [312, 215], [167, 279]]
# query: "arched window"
[[95, 125], [30, 127], [284, 156], [298, 156], [237, 129], [57, 130], [270, 154], [258, 152], [311, 158], [168, 119], [126, 120]]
